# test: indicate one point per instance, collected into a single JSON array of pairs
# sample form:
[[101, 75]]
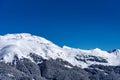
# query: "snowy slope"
[[23, 44]]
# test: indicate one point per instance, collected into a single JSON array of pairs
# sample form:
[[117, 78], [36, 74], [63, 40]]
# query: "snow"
[[68, 66], [23, 44], [10, 75]]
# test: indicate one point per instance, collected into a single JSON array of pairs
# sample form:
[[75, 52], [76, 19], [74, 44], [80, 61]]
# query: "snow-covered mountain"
[[28, 57], [23, 44]]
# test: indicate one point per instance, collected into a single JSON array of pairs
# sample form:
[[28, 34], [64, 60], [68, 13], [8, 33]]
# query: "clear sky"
[[84, 24]]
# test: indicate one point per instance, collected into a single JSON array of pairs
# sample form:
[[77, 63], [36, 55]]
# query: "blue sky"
[[82, 24]]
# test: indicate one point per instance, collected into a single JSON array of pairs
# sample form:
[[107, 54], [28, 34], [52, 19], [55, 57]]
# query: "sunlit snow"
[[23, 44]]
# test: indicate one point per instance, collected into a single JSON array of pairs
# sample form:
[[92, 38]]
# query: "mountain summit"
[[23, 44]]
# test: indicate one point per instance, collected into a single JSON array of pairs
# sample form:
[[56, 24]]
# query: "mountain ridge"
[[22, 44]]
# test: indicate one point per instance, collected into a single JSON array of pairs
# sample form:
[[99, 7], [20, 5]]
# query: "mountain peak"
[[23, 36], [116, 50], [97, 49], [23, 44], [17, 35]]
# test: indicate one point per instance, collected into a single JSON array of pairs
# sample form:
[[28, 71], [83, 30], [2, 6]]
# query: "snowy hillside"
[[21, 45]]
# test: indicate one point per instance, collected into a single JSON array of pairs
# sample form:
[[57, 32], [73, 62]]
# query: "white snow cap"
[[23, 44]]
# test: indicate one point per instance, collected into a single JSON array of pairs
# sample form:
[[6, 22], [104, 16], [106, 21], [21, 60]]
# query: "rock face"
[[58, 69], [54, 70], [9, 73], [27, 57]]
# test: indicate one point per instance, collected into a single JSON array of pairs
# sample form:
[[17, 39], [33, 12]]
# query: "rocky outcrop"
[[58, 69]]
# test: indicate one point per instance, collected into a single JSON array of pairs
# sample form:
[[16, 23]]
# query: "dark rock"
[[25, 69], [9, 73], [55, 70]]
